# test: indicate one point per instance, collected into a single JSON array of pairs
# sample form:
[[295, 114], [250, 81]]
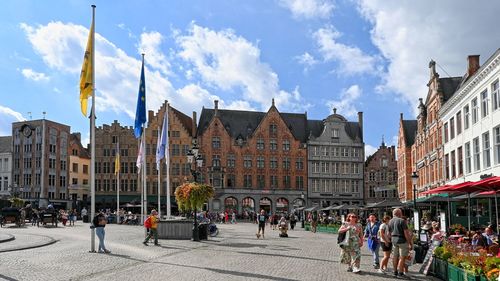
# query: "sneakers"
[[157, 244], [380, 270], [403, 275], [349, 269], [355, 269], [107, 251], [145, 243]]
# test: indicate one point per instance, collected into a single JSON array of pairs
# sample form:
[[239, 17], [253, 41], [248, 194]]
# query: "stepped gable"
[[185, 120]]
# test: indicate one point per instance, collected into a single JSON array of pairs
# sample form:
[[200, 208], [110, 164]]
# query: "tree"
[[191, 195]]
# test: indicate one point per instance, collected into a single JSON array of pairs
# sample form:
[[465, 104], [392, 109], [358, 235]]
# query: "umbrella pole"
[[468, 209], [449, 212], [496, 213]]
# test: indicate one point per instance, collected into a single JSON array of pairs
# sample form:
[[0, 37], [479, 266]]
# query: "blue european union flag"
[[140, 113]]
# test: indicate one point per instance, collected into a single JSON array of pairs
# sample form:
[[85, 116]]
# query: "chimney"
[[360, 121], [194, 124], [472, 64], [151, 114], [401, 116], [216, 107]]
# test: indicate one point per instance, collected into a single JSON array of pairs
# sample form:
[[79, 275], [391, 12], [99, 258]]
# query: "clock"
[[27, 131]]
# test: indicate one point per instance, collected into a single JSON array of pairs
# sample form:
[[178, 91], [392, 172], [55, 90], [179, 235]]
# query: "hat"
[[427, 226]]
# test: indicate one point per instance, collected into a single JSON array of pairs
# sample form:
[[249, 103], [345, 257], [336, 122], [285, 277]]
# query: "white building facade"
[[5, 165], [471, 124]]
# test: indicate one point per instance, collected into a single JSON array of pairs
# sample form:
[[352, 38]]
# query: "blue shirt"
[[371, 231]]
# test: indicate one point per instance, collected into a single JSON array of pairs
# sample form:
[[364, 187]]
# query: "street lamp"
[[414, 179], [193, 157], [302, 216]]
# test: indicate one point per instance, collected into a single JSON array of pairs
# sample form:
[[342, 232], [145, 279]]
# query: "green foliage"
[[191, 196], [17, 202]]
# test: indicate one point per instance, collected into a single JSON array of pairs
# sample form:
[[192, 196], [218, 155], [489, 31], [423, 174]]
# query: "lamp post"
[[193, 157], [302, 216], [414, 179]]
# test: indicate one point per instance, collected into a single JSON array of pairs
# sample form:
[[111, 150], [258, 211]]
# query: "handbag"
[[345, 242], [410, 259]]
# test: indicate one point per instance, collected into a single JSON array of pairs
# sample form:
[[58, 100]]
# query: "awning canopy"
[[311, 209]]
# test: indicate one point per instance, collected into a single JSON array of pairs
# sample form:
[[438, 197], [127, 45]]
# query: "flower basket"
[[440, 268], [307, 226], [455, 273]]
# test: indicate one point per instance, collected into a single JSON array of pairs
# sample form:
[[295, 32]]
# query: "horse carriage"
[[48, 216], [10, 215]]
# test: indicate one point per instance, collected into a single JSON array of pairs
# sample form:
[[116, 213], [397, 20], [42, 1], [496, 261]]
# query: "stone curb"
[[20, 248], [9, 238]]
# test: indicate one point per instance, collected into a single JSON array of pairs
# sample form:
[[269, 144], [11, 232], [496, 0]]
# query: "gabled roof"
[[409, 131], [5, 144], [186, 121], [239, 123], [353, 130], [448, 86], [82, 151], [315, 127]]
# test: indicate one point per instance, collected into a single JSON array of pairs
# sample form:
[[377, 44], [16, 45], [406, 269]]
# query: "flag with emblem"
[[86, 76], [117, 159], [140, 113]]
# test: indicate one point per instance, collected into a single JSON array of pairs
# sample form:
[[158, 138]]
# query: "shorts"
[[400, 250], [385, 248]]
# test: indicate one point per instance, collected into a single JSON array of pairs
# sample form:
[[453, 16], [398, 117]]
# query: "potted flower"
[[457, 229]]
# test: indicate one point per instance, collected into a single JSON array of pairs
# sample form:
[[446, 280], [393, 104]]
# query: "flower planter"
[[307, 227], [440, 269], [455, 273], [483, 278]]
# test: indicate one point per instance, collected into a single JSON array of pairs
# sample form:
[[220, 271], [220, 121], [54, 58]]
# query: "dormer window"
[[335, 133]]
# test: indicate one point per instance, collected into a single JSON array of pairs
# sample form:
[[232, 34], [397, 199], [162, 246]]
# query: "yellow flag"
[[87, 69], [117, 162]]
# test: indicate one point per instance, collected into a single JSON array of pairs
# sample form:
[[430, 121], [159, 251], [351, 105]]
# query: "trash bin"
[[203, 231], [85, 219], [420, 252]]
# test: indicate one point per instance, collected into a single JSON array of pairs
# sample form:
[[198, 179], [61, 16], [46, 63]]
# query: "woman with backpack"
[[99, 223], [152, 224], [352, 243]]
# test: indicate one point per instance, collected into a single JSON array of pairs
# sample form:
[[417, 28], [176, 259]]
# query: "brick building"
[[40, 162], [335, 161], [107, 137], [428, 147], [406, 139], [79, 172], [254, 160], [381, 176]]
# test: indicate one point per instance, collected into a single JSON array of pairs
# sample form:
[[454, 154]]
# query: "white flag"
[[140, 157]]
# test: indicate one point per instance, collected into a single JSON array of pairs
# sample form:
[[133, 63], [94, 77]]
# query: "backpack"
[[147, 222], [341, 237]]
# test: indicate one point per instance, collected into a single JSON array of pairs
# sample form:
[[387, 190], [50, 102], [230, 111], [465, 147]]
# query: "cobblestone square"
[[235, 254]]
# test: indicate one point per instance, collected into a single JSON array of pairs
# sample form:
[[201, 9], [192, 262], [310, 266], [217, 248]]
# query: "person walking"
[[261, 221], [233, 218], [293, 221], [351, 253], [371, 234], [152, 223], [99, 223], [314, 223], [385, 243], [401, 239]]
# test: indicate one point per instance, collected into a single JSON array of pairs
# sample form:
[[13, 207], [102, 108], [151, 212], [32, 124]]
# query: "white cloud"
[[7, 116], [346, 104], [307, 60], [370, 150], [150, 45], [61, 46], [309, 9], [351, 59], [29, 73], [231, 63], [409, 34]]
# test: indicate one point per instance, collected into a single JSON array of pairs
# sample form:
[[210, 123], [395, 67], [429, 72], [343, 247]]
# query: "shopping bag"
[[410, 259]]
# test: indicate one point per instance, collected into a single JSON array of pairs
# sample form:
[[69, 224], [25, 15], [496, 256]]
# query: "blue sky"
[[310, 55]]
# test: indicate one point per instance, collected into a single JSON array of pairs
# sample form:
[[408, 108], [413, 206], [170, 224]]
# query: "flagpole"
[[158, 168], [118, 182], [144, 189], [167, 160], [92, 138]]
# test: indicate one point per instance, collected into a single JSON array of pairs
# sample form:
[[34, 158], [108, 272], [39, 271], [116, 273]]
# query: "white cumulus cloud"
[[29, 73], [229, 62], [410, 34], [309, 9], [370, 150], [351, 59], [150, 44], [7, 116], [346, 105]]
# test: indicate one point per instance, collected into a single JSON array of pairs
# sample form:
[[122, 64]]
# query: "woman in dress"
[[351, 253]]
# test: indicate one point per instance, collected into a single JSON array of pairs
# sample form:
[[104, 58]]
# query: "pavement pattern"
[[235, 254]]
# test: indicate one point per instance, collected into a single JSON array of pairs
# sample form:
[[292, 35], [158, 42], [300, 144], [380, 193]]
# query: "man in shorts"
[[261, 221], [402, 241]]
